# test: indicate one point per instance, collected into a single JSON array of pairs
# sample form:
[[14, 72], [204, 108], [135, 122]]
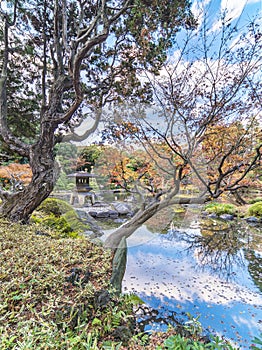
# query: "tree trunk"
[[128, 228], [18, 206], [239, 199], [119, 266]]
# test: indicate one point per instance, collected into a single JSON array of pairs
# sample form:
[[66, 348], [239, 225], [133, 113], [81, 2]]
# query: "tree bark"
[[128, 228], [18, 206], [119, 266]]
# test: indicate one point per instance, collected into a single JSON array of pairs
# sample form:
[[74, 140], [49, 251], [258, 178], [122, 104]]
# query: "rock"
[[100, 204], [119, 221], [122, 333], [122, 208], [86, 277], [82, 214], [41, 233], [102, 298], [113, 213], [213, 216], [252, 219], [88, 233], [93, 213], [87, 217], [78, 276], [74, 276], [226, 217], [102, 214]]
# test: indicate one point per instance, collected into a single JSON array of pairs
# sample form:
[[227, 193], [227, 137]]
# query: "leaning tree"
[[205, 126], [69, 59]]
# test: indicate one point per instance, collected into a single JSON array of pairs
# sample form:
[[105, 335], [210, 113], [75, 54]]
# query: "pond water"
[[209, 268]]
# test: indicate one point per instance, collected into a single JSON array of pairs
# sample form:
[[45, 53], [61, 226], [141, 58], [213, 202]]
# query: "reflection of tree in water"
[[223, 246], [219, 247], [254, 267]]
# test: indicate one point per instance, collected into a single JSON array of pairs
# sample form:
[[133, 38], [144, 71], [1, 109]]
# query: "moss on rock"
[[54, 206], [256, 209], [60, 217]]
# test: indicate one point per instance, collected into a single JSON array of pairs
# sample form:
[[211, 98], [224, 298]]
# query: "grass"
[[40, 302]]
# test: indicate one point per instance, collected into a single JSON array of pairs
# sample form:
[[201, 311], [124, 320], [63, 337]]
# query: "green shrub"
[[70, 187], [255, 200], [64, 183], [255, 209], [258, 341], [221, 208], [179, 342], [54, 206]]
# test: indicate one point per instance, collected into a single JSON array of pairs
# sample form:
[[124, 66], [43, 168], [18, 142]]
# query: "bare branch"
[[247, 170]]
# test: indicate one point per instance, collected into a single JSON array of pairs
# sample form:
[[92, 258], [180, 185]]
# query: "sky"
[[233, 7]]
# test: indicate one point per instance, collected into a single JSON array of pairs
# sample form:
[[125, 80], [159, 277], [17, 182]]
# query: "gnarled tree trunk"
[[18, 206]]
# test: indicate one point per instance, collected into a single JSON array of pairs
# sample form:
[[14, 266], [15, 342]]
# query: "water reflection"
[[254, 266], [212, 268], [235, 322], [218, 247]]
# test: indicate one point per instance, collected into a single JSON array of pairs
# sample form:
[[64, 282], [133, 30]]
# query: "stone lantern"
[[83, 188]]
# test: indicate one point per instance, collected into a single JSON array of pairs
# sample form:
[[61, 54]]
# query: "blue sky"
[[234, 8], [239, 13]]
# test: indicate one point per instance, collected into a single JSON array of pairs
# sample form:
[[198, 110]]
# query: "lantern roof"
[[82, 174]]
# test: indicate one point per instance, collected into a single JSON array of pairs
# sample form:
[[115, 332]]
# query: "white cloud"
[[234, 9], [198, 9], [175, 277]]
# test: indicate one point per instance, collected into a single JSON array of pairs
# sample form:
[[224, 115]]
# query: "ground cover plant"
[[55, 292]]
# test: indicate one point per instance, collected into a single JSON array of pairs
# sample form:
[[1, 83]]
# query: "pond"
[[209, 268]]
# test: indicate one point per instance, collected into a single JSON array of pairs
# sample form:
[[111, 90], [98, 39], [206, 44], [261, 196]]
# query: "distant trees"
[[70, 58], [233, 151], [88, 156], [15, 176]]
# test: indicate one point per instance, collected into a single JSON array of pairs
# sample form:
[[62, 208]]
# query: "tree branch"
[[78, 138]]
